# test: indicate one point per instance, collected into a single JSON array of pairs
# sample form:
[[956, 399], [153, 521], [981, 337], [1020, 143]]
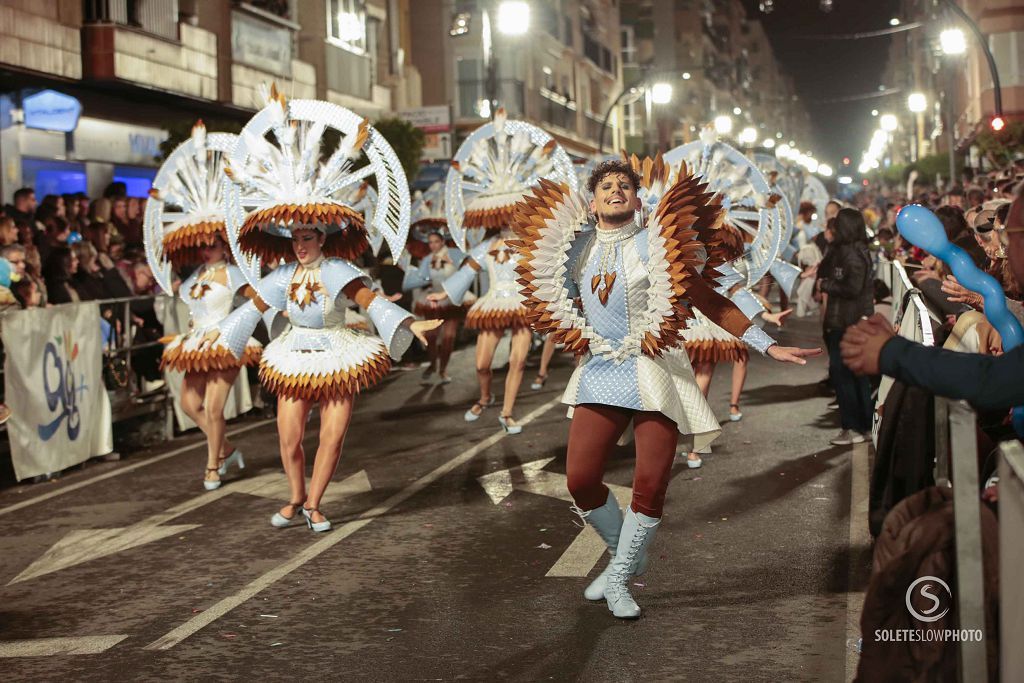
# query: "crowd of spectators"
[[70, 248]]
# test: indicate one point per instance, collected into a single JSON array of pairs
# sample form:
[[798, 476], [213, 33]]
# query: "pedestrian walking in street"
[[846, 277]]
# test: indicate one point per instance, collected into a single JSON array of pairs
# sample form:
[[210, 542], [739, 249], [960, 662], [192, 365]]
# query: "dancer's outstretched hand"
[[421, 327], [791, 354], [778, 318], [436, 297]]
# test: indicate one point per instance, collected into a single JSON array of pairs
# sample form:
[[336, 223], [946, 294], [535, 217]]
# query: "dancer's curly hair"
[[611, 167]]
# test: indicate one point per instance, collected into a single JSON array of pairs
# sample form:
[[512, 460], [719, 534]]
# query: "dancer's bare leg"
[[703, 373], [486, 343], [521, 337], [335, 416], [291, 427], [193, 388], [445, 345], [218, 388], [546, 354], [739, 378]]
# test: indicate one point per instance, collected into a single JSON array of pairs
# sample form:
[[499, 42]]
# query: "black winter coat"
[[848, 279]]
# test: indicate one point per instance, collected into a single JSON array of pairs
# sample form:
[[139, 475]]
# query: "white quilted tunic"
[[662, 384]]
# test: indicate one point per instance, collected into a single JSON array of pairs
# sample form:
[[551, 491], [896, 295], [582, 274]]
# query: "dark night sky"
[[825, 69]]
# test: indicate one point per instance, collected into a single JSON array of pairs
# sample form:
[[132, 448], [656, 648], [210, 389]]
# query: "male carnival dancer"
[[619, 296]]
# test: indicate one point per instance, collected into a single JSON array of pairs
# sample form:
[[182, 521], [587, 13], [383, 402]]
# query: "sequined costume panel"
[[209, 303], [638, 382], [501, 308]]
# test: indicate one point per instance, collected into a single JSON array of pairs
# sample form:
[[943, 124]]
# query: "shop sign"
[[51, 110], [436, 119]]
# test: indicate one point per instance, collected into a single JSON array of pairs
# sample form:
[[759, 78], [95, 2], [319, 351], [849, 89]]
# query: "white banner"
[[60, 412]]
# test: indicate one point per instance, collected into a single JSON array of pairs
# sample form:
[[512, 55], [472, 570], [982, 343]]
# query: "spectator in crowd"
[[98, 235], [8, 231], [54, 202], [73, 213], [7, 298], [24, 206], [61, 265], [55, 232], [988, 382], [129, 227], [99, 211], [147, 328], [27, 293], [15, 255], [846, 277], [88, 280]]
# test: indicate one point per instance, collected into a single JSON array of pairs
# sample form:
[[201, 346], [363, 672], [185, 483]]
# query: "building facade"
[[562, 74], [138, 70], [718, 61], [958, 89]]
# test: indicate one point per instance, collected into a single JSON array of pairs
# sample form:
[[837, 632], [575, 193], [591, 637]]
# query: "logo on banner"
[[60, 387]]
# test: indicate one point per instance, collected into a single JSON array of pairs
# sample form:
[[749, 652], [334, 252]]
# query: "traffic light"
[[997, 123], [846, 161]]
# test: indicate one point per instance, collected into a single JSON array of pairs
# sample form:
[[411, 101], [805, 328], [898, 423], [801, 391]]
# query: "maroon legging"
[[595, 429]]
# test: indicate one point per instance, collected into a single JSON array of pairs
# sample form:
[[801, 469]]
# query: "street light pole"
[[611, 107], [997, 90]]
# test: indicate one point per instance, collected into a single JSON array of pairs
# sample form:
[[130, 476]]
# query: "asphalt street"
[[454, 555]]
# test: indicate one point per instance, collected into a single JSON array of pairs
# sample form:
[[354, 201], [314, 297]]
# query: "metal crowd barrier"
[[956, 465]]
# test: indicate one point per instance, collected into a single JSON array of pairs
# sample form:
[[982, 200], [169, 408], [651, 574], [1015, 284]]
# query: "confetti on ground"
[[394, 630], [269, 616], [275, 644], [543, 546]]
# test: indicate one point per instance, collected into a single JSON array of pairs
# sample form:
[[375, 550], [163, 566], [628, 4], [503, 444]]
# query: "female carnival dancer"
[[184, 227], [429, 229], [501, 160], [282, 205], [620, 295]]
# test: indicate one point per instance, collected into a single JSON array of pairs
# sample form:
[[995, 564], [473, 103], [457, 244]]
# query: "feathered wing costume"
[[492, 171], [289, 182], [622, 298], [185, 212]]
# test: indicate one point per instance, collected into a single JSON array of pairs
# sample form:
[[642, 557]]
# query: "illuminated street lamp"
[[768, 143], [917, 102], [953, 41], [723, 124], [889, 123], [513, 17], [661, 93], [737, 111], [825, 170], [748, 135]]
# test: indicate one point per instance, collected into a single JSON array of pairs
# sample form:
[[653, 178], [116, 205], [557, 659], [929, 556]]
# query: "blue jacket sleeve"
[[986, 382]]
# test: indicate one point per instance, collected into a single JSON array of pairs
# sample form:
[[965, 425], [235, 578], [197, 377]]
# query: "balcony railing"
[[159, 17], [557, 110]]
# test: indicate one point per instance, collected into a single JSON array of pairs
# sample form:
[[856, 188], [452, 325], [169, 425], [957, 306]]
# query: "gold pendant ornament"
[[199, 290], [304, 293]]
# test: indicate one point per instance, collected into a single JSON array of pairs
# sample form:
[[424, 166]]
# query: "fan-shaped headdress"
[[185, 210], [283, 176], [494, 168]]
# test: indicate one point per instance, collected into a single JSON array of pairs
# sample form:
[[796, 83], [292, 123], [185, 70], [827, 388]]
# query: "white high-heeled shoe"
[[281, 522], [470, 416], [504, 420], [211, 484], [315, 526], [235, 457]]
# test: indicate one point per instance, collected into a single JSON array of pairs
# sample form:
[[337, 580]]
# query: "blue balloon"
[[923, 229]]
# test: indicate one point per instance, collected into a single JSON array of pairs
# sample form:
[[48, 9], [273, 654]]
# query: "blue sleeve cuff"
[[458, 284], [755, 338], [236, 329], [391, 323], [416, 277], [747, 303]]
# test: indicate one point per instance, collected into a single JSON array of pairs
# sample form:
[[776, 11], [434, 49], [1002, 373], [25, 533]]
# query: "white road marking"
[[860, 537], [47, 647], [123, 470], [587, 548], [89, 544], [331, 539]]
